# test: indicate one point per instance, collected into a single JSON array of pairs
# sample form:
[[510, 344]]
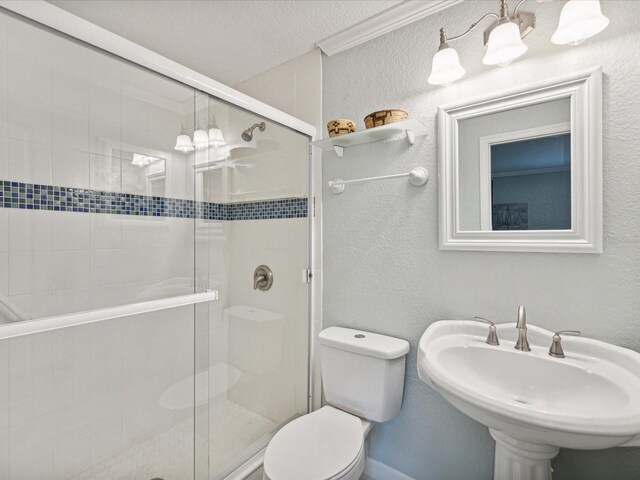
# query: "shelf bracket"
[[339, 150], [411, 137]]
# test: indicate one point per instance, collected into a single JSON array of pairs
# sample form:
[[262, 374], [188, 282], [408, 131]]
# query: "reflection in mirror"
[[531, 184], [515, 169]]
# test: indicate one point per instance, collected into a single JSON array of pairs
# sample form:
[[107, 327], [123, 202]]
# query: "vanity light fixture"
[[579, 20], [505, 45], [445, 67]]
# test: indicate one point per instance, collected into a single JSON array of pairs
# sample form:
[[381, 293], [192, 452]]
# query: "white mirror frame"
[[585, 235]]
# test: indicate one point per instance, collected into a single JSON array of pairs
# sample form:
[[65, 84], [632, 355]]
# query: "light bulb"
[[183, 144], [200, 140], [445, 67], [579, 20], [504, 46], [216, 137]]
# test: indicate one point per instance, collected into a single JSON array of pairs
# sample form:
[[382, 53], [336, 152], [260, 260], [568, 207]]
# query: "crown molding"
[[384, 22]]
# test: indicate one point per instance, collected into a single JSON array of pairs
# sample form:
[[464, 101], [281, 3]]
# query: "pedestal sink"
[[534, 404]]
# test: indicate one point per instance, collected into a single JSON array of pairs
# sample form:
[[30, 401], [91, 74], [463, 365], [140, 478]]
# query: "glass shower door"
[[257, 185]]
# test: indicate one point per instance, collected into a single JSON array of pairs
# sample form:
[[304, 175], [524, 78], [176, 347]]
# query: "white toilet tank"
[[363, 372]]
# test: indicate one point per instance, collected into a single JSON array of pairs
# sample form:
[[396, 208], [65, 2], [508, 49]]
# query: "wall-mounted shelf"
[[410, 128]]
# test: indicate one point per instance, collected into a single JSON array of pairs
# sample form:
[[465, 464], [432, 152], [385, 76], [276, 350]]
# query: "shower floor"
[[169, 455]]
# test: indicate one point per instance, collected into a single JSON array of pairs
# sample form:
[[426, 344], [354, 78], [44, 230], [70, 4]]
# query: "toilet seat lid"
[[317, 446]]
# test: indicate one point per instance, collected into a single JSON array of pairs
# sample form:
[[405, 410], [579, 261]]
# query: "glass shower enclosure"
[[137, 340]]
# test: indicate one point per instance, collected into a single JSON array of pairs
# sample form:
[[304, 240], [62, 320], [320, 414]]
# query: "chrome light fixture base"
[[579, 20], [526, 22]]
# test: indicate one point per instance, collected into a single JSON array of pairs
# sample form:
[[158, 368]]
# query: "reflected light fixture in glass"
[[184, 144]]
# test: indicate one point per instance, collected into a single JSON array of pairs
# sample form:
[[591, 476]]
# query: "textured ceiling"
[[231, 40]]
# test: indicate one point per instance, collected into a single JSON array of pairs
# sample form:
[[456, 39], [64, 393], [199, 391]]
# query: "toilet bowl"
[[326, 444], [363, 380]]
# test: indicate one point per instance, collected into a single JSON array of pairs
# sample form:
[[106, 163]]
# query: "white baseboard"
[[379, 471]]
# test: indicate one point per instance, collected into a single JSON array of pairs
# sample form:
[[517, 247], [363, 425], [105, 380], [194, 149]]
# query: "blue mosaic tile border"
[[65, 199]]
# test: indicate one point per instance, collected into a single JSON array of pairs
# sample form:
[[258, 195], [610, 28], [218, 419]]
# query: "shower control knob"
[[262, 278]]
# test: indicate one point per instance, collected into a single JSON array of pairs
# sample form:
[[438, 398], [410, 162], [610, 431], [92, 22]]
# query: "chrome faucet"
[[522, 344]]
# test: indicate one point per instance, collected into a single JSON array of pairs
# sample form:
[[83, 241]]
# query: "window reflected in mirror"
[[515, 169], [531, 184]]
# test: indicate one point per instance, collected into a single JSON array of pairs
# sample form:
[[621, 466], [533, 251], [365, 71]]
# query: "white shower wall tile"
[[105, 172], [4, 142], [70, 130], [4, 230], [71, 458], [28, 120], [70, 57], [30, 397], [70, 75], [4, 362], [4, 277], [104, 136], [30, 272], [3, 55], [29, 161], [4, 391], [4, 458], [105, 99], [106, 231], [29, 231], [106, 267], [29, 77], [71, 231], [71, 346], [71, 168], [105, 70], [69, 301], [30, 468], [70, 92], [26, 41], [71, 269]]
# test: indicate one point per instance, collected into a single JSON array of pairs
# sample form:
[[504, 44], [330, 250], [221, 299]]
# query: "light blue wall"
[[383, 270]]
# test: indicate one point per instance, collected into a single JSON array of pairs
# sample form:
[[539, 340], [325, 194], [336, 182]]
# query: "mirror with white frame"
[[522, 170]]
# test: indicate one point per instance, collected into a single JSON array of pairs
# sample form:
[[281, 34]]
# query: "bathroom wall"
[[385, 273]]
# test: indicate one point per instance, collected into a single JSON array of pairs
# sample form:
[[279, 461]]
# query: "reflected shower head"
[[247, 135]]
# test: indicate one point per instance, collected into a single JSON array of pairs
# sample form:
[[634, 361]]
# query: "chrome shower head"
[[247, 135]]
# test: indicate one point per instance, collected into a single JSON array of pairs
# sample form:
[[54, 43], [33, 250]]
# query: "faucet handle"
[[556, 345], [522, 317], [492, 338]]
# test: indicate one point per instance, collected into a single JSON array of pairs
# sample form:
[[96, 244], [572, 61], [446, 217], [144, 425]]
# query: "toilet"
[[363, 380]]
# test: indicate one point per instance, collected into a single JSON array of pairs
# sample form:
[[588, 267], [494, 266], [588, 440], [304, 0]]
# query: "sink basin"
[[533, 403]]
